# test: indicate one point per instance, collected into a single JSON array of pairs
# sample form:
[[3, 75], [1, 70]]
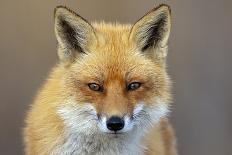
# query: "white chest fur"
[[97, 145]]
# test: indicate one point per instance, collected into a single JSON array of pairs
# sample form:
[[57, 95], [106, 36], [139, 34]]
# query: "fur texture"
[[68, 117]]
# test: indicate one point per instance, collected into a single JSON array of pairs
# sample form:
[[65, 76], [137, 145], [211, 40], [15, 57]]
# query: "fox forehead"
[[113, 54], [102, 65]]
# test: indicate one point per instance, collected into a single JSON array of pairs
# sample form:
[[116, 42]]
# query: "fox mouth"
[[116, 133]]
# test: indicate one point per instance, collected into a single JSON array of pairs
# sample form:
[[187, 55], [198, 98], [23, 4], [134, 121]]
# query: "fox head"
[[114, 78]]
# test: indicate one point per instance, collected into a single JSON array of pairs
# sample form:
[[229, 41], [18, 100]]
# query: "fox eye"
[[133, 86], [94, 87]]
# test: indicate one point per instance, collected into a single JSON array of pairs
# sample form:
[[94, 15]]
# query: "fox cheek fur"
[[109, 89]]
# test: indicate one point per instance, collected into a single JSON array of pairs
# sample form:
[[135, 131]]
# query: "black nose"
[[115, 123]]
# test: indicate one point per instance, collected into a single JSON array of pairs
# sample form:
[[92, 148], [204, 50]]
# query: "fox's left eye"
[[94, 87], [133, 86]]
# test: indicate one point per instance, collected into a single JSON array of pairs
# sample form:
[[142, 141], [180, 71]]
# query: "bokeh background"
[[200, 64]]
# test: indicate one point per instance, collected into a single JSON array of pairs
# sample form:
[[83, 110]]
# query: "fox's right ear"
[[73, 33]]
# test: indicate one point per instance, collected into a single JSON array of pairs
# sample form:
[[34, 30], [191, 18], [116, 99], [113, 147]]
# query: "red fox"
[[110, 92]]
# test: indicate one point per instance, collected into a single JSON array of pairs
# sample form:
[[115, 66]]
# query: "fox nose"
[[115, 123]]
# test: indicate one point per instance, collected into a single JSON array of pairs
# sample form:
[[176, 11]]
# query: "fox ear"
[[151, 32], [73, 33]]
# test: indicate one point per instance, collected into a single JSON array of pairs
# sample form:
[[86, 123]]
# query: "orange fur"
[[113, 59]]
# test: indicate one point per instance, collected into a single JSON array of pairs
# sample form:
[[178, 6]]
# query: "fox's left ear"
[[151, 32]]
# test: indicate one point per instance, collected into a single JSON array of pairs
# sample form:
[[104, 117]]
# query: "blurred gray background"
[[199, 63]]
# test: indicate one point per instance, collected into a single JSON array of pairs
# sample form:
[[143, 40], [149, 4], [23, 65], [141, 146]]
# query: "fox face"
[[114, 79]]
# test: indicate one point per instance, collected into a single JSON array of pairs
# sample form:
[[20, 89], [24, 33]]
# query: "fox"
[[109, 93]]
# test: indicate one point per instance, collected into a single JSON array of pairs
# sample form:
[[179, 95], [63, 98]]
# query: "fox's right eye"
[[95, 87], [133, 86]]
